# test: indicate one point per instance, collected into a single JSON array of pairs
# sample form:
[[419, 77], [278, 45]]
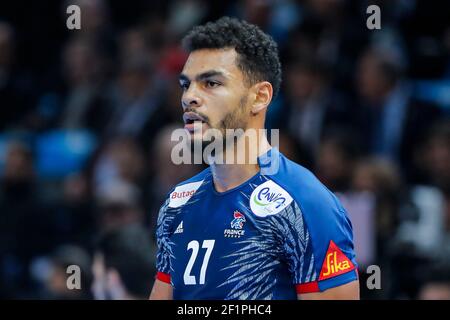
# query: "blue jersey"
[[270, 238]]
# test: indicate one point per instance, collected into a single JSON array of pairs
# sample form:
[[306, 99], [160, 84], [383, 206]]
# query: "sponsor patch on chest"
[[269, 199], [183, 193]]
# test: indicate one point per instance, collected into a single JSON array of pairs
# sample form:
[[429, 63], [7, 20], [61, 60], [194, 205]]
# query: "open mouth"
[[191, 121], [192, 117]]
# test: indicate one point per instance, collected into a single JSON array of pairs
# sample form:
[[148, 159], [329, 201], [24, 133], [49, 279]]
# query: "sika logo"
[[237, 224], [335, 263]]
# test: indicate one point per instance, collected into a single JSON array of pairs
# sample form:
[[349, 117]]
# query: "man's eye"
[[212, 84], [184, 85]]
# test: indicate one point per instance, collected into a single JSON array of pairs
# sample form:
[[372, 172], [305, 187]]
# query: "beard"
[[234, 120]]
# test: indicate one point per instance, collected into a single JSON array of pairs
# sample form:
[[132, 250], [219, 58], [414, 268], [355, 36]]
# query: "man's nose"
[[191, 98]]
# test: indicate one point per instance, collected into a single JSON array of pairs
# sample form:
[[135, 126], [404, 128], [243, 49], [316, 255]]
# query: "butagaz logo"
[[268, 199], [183, 193], [237, 224], [179, 228], [335, 263]]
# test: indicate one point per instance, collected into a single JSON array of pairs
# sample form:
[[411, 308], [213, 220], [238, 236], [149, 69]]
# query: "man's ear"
[[263, 93]]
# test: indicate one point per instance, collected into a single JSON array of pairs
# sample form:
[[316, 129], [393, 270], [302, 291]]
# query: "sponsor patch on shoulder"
[[183, 193], [268, 199], [335, 263]]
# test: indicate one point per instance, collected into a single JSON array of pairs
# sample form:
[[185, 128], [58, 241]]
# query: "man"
[[239, 231], [56, 283]]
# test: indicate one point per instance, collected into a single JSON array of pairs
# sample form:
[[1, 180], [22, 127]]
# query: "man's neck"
[[227, 176]]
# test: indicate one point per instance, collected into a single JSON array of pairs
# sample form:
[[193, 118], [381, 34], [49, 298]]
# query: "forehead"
[[203, 60]]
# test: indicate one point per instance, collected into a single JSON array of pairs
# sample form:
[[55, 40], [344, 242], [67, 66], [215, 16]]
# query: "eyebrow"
[[202, 76]]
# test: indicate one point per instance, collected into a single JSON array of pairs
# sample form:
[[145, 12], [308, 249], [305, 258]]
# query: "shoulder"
[[318, 221], [184, 190], [301, 190], [304, 187], [176, 198]]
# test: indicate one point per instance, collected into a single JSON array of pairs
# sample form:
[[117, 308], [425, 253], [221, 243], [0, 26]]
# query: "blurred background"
[[86, 117]]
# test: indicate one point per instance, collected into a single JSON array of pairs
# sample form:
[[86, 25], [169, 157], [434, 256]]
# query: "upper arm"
[[162, 288], [319, 249], [348, 291], [161, 291]]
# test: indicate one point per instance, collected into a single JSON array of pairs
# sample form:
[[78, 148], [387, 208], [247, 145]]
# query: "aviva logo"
[[269, 198], [265, 197], [335, 263]]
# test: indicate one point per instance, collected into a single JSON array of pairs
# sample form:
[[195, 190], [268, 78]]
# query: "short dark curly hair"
[[257, 51]]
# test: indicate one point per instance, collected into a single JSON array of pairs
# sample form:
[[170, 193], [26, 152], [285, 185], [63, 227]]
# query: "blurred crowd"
[[86, 118]]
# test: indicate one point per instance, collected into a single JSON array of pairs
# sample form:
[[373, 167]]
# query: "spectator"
[[380, 178], [74, 216], [124, 264], [25, 223], [15, 85], [119, 204], [335, 159], [433, 156], [121, 159], [58, 276], [391, 119], [436, 282], [432, 229], [86, 103], [137, 101], [314, 107]]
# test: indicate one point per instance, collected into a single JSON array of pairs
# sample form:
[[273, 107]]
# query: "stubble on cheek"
[[236, 119]]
